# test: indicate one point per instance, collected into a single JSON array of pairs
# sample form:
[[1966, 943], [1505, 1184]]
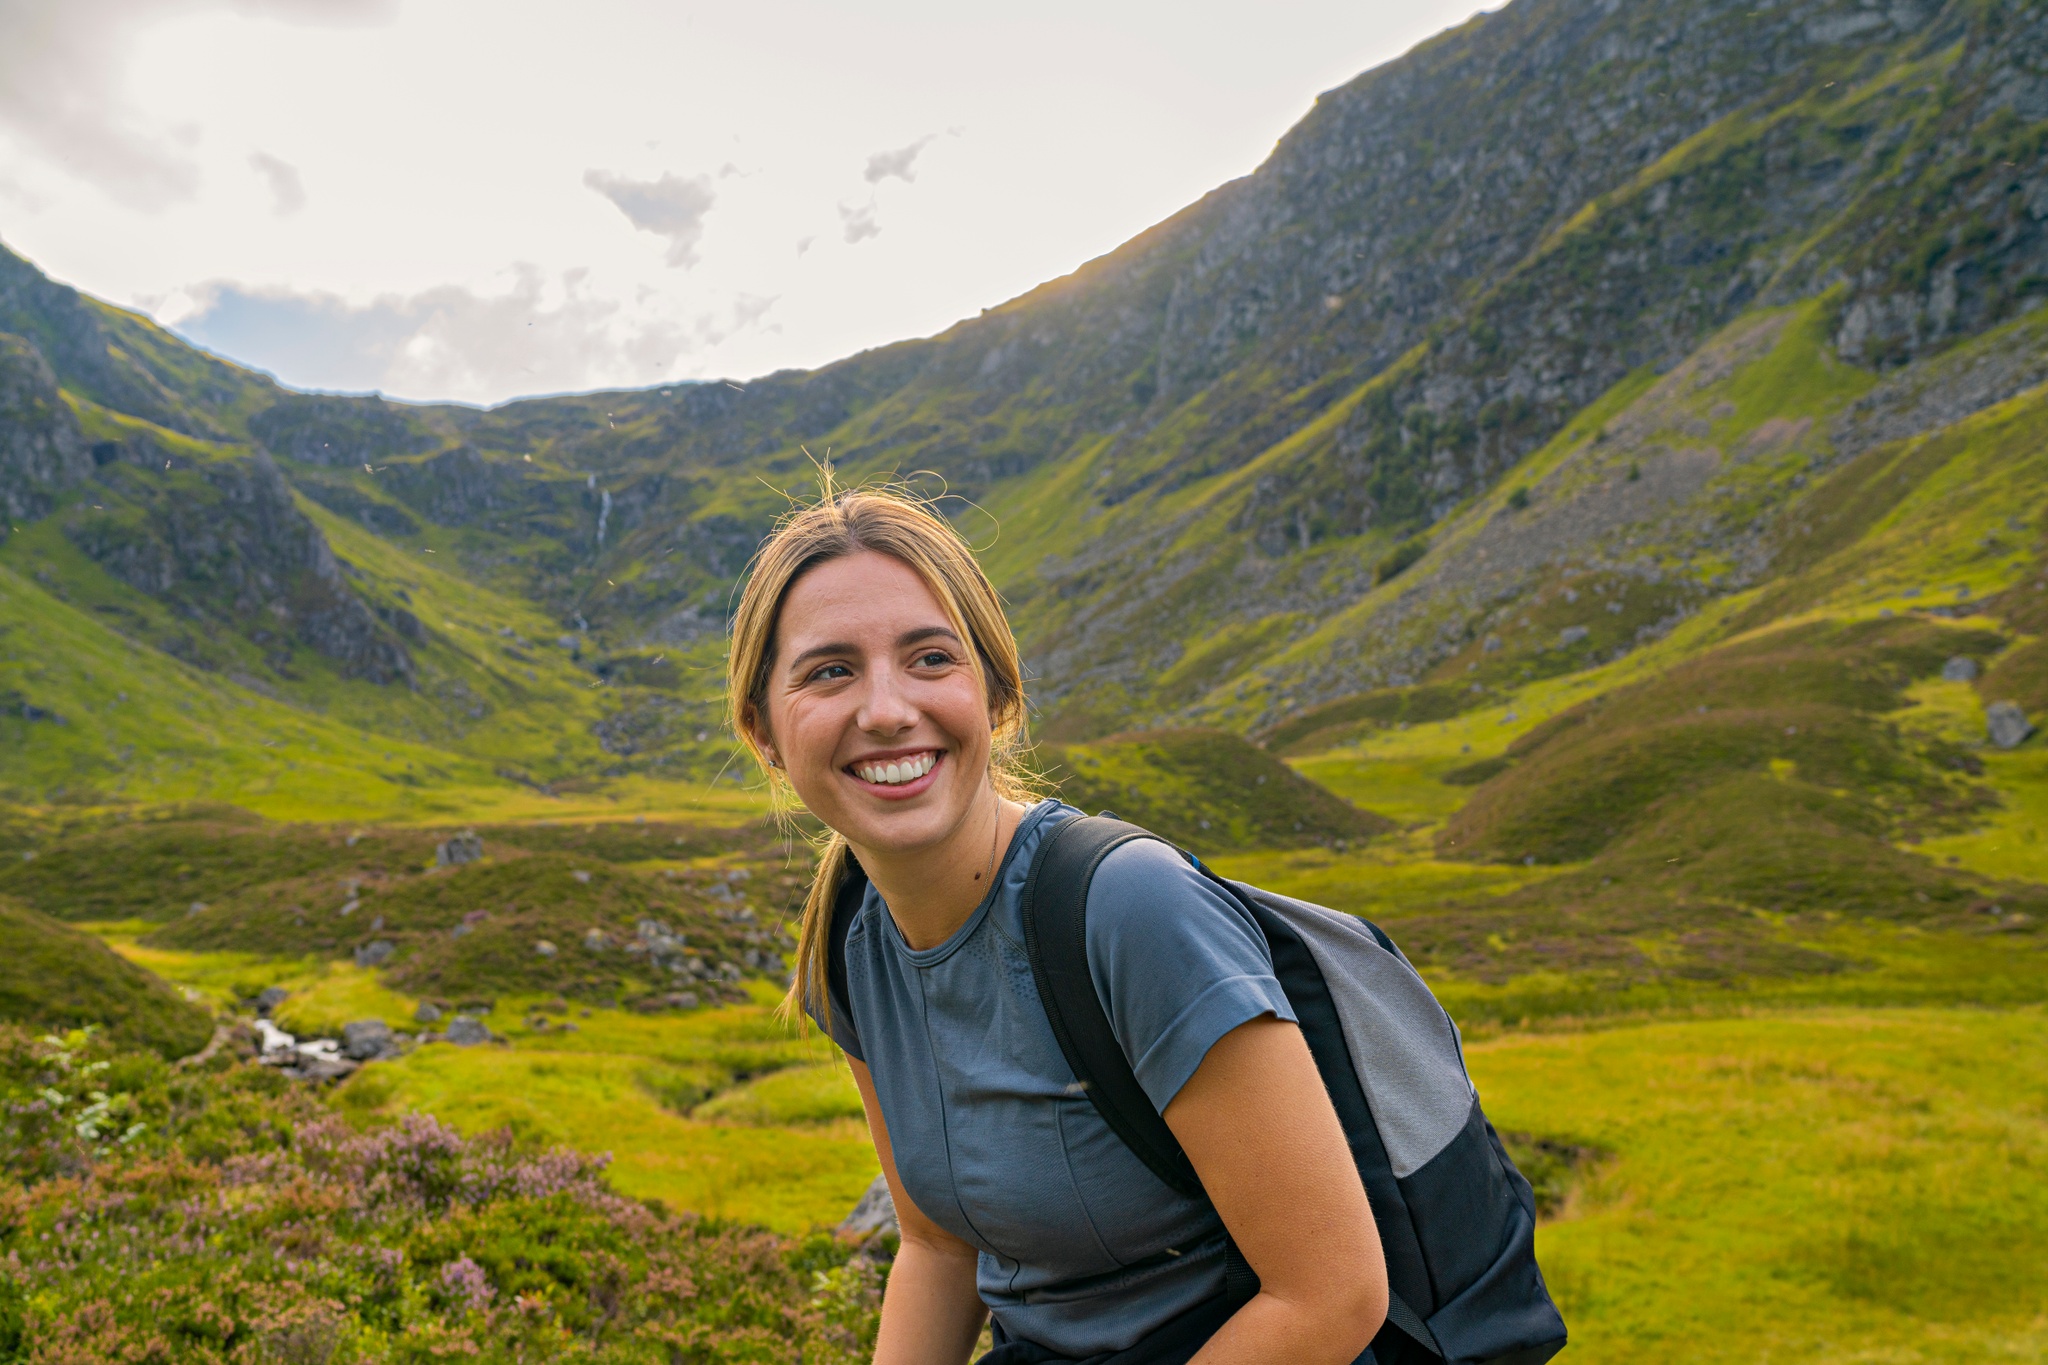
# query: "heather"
[[220, 1214]]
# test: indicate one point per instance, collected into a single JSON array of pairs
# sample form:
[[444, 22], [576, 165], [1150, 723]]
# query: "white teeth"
[[893, 774]]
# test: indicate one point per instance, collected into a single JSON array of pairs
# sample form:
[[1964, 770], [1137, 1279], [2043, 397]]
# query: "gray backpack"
[[1456, 1219]]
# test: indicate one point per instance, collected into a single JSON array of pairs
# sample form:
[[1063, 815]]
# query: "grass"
[[56, 977], [1819, 1186], [781, 1147], [1205, 789]]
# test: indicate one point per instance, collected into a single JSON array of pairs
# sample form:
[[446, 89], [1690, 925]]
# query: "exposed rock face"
[[115, 358], [41, 452], [225, 538], [342, 431]]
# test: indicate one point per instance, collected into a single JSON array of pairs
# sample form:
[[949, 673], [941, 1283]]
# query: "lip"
[[899, 791]]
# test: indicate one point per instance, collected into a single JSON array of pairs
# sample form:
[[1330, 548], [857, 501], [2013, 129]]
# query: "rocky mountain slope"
[[1516, 353]]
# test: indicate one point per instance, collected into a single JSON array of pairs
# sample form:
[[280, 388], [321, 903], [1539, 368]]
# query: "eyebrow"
[[903, 641]]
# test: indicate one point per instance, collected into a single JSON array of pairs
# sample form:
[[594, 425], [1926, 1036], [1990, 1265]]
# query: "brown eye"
[[935, 659], [831, 673]]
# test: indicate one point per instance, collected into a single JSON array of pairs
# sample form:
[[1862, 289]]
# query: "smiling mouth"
[[895, 772]]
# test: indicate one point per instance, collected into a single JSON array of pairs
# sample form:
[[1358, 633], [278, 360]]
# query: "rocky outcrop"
[[117, 359], [225, 539], [41, 452], [344, 432]]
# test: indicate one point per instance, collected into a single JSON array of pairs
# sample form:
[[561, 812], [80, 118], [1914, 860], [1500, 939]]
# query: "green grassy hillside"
[[56, 978]]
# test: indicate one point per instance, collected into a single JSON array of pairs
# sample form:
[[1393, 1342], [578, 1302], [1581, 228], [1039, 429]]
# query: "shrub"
[[1397, 560], [228, 1217]]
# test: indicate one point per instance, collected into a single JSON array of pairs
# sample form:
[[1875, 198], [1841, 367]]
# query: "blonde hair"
[[898, 524]]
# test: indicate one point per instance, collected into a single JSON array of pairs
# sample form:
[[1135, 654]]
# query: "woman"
[[872, 670]]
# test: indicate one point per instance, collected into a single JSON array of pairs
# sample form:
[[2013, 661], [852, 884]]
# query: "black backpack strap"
[[1055, 912], [844, 907]]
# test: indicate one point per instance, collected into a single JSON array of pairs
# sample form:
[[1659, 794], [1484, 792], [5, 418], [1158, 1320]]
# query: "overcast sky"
[[475, 199]]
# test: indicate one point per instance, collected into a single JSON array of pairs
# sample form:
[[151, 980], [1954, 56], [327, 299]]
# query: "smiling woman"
[[875, 677]]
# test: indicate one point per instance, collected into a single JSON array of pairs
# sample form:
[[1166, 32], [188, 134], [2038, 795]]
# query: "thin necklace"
[[995, 835]]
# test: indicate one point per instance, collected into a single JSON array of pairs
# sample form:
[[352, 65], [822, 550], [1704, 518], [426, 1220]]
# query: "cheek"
[[961, 710]]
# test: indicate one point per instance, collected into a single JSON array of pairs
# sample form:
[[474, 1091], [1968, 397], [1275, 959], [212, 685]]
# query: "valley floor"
[[1753, 1183]]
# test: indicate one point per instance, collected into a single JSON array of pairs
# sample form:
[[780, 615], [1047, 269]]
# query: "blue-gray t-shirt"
[[1083, 1249]]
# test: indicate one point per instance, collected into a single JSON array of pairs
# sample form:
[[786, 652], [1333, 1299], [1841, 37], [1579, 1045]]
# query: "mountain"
[[1515, 355]]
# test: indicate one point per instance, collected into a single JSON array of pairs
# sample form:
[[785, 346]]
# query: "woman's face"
[[873, 706]]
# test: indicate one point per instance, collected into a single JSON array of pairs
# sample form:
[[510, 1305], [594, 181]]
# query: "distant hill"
[[1516, 353], [55, 977]]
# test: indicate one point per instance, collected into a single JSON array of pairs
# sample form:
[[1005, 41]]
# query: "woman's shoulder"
[[1150, 883]]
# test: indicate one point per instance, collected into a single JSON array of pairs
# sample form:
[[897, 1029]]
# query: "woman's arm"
[[1259, 1127], [931, 1312]]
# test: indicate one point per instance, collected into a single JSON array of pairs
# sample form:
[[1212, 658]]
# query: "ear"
[[753, 726]]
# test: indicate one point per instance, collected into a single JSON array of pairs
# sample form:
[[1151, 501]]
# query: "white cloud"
[[898, 163], [447, 342], [671, 207], [62, 65], [859, 221], [287, 190]]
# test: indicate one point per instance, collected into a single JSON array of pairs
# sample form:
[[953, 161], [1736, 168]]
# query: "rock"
[[426, 1012], [375, 953], [581, 876], [366, 1039], [42, 451], [1959, 669], [873, 1216], [271, 998], [467, 1032], [544, 948], [1571, 635], [461, 848], [683, 1000], [2007, 724], [596, 940], [321, 1068]]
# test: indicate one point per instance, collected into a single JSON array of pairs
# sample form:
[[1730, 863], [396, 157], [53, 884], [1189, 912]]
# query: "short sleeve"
[[1176, 961], [839, 1029]]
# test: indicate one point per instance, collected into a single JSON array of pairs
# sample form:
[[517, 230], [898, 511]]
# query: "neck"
[[931, 891]]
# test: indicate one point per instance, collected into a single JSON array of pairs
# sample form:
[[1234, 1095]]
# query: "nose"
[[886, 709]]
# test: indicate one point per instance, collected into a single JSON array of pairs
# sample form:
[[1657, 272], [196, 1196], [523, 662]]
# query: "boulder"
[[1959, 669], [467, 1032], [461, 848], [426, 1012], [543, 947], [366, 1039], [375, 953], [874, 1216], [2006, 724], [271, 998]]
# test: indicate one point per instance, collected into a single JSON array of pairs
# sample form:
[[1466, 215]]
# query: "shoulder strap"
[[1055, 912], [844, 907]]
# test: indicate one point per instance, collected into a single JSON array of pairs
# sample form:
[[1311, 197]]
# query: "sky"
[[472, 200]]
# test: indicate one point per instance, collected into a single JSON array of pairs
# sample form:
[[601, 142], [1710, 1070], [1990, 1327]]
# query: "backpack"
[[1456, 1220]]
